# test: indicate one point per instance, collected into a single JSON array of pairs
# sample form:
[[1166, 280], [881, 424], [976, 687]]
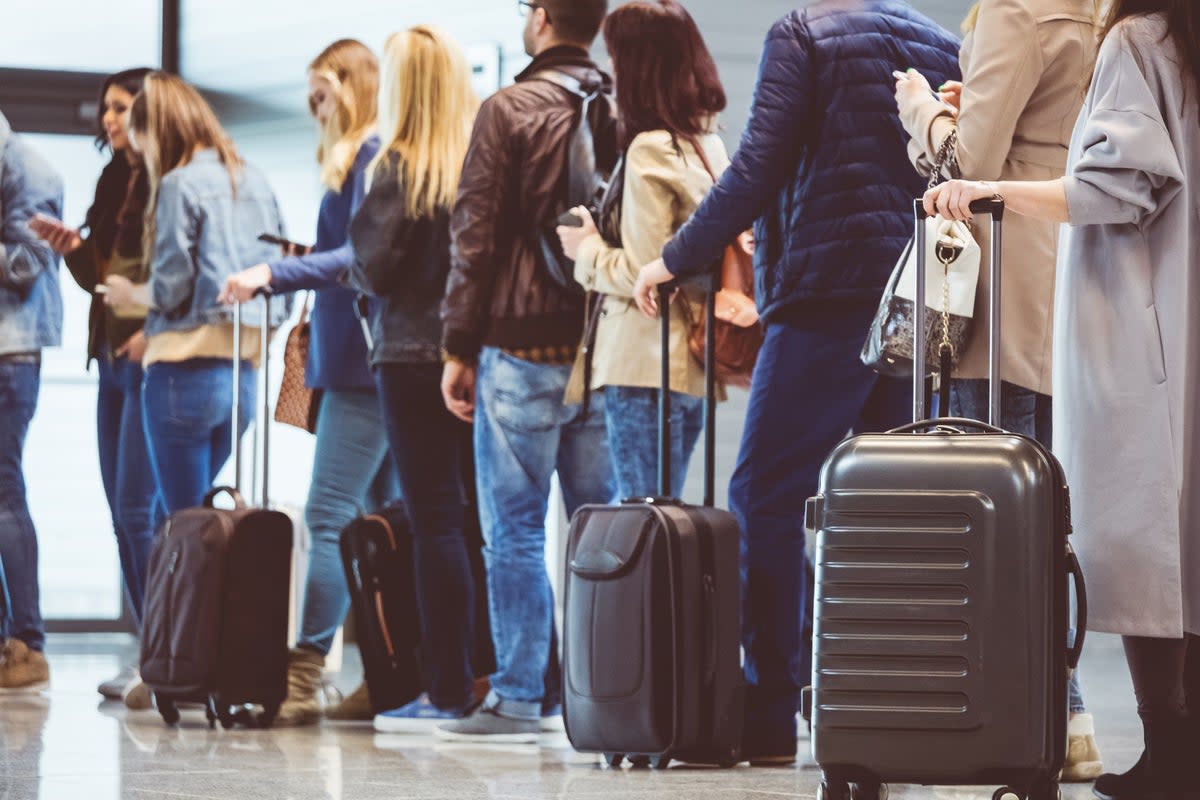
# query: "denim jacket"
[[205, 231], [30, 302]]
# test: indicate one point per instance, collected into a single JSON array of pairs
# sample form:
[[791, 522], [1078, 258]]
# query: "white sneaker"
[[114, 688]]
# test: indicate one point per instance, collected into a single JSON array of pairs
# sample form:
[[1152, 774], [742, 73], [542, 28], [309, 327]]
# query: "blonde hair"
[[353, 75], [426, 108], [171, 121]]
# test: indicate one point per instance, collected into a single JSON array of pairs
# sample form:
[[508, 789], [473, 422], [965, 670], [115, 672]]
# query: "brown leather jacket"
[[513, 180]]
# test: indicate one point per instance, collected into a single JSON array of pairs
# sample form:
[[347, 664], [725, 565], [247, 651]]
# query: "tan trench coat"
[[663, 186], [1025, 73]]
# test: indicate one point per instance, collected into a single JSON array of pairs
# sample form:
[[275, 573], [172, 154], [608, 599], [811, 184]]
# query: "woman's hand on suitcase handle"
[[645, 290], [952, 199], [242, 286]]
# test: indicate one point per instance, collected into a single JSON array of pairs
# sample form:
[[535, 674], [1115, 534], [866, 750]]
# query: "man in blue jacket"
[[822, 173], [30, 319]]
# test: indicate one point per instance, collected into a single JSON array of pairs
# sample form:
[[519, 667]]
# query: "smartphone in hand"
[[289, 247], [570, 220]]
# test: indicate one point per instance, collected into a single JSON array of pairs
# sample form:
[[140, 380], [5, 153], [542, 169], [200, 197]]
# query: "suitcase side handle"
[[948, 424], [217, 491], [1076, 570]]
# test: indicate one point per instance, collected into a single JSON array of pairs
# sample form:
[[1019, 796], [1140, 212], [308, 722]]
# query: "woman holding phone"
[[110, 243], [206, 208], [352, 471]]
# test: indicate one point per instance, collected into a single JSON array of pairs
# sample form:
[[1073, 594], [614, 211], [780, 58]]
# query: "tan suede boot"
[[302, 706], [1083, 756], [355, 708], [22, 669]]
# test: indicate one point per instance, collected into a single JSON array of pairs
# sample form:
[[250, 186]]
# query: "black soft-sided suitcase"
[[216, 619], [377, 555], [652, 621], [943, 569]]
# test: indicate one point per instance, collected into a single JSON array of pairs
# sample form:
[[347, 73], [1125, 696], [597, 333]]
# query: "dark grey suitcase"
[[652, 620], [942, 579]]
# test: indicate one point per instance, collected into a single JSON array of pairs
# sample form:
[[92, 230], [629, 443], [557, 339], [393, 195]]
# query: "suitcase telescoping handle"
[[710, 393], [264, 423], [995, 209]]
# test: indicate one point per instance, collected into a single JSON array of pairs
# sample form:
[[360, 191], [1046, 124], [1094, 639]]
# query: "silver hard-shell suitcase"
[[941, 610]]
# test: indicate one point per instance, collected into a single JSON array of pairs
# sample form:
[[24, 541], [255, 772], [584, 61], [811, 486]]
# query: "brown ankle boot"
[[22, 669], [302, 706]]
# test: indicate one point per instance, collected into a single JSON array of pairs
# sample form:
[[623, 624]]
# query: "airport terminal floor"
[[65, 743]]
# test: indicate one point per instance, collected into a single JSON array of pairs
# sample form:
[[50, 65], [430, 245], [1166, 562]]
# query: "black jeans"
[[428, 445]]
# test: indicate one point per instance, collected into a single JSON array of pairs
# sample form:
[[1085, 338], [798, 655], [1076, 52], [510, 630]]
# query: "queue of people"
[[482, 362]]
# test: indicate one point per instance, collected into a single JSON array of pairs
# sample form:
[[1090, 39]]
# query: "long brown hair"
[[1183, 27], [666, 77], [170, 121], [353, 74], [426, 108]]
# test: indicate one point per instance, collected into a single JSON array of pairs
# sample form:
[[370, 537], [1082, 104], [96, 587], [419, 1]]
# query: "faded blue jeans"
[[631, 416], [523, 434], [125, 470], [352, 474], [19, 384], [1022, 411], [188, 411]]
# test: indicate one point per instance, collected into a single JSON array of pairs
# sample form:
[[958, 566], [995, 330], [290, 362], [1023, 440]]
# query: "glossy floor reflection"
[[67, 744]]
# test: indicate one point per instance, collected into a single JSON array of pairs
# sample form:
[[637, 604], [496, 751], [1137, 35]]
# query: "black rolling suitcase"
[[652, 620], [216, 620], [377, 556], [943, 570]]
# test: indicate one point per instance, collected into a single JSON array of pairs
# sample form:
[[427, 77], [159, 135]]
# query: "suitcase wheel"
[[831, 789], [614, 760], [1007, 793], [168, 710], [873, 790], [639, 762]]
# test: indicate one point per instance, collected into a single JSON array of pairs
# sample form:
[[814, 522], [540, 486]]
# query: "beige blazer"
[[664, 183], [1026, 68]]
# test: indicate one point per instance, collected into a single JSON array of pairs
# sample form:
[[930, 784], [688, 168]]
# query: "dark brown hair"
[[1183, 27], [666, 78], [575, 21]]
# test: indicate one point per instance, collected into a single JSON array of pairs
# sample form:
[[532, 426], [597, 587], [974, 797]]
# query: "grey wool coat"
[[1127, 337]]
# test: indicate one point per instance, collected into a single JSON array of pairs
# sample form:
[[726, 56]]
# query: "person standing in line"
[[668, 97], [113, 246], [1127, 363], [401, 239], [822, 168], [351, 472], [1025, 66], [206, 210], [509, 336], [30, 319]]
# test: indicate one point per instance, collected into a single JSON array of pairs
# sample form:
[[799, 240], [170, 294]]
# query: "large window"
[[81, 35]]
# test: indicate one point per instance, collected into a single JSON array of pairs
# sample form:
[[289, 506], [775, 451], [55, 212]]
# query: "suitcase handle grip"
[[993, 207], [1076, 570], [217, 491], [947, 423]]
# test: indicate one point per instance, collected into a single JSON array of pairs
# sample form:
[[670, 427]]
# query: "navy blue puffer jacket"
[[822, 165]]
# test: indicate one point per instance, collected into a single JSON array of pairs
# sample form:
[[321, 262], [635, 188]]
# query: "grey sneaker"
[[486, 725], [114, 688]]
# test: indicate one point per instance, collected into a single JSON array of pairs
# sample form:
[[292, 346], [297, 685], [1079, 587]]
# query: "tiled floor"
[[67, 745]]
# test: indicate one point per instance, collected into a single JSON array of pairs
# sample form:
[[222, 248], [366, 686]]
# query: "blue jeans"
[[523, 434], [125, 470], [351, 475], [631, 417], [19, 384], [1022, 411], [430, 449], [188, 410], [809, 390]]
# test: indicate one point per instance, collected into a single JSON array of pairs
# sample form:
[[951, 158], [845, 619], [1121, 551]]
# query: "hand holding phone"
[[899, 75], [288, 246]]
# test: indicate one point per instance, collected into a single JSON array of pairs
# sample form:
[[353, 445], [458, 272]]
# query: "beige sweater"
[[663, 186]]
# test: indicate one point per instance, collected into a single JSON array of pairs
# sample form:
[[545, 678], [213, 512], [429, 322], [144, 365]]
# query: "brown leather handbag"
[[297, 404], [737, 333]]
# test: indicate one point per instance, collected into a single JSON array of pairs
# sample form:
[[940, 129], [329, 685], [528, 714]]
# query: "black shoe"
[[1131, 784], [1161, 772]]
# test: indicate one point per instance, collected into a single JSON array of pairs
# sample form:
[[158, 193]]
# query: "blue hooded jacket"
[[822, 169]]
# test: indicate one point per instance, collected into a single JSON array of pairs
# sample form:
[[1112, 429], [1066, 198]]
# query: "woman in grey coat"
[[1127, 362]]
